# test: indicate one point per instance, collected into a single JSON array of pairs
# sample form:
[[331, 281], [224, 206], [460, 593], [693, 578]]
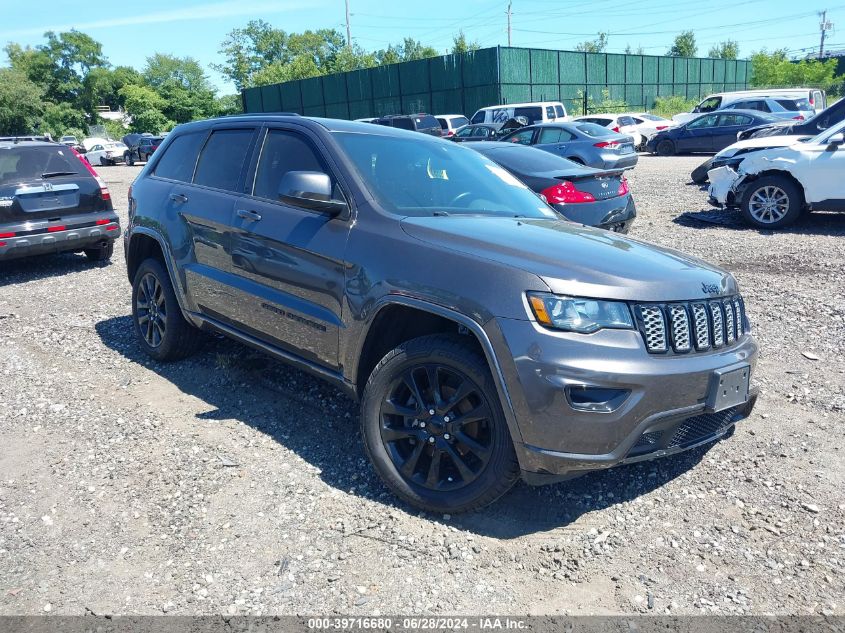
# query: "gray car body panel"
[[475, 271]]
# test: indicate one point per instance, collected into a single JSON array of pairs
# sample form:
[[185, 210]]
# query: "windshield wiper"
[[53, 174]]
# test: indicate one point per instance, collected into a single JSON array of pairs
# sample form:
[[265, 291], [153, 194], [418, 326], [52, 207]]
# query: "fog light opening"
[[596, 399]]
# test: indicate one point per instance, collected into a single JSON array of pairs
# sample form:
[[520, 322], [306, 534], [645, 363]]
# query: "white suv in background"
[[537, 112], [451, 123], [721, 100]]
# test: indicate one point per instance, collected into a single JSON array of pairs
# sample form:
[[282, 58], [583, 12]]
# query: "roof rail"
[[260, 114]]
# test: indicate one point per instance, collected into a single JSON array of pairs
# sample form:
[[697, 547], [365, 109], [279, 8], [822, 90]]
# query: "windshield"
[[417, 177], [824, 137]]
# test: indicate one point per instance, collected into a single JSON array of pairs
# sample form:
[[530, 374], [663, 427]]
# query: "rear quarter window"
[[534, 114], [180, 157]]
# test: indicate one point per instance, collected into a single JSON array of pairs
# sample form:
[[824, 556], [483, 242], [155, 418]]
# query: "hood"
[[764, 142], [576, 260]]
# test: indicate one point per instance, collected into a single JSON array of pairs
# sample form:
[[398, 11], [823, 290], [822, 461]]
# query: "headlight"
[[727, 153], [575, 314]]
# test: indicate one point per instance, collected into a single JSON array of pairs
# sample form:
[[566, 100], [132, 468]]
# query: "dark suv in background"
[[142, 149], [51, 201], [424, 123], [485, 336]]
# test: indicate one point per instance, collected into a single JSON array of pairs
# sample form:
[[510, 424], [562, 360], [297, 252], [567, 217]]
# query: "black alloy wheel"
[[436, 427]]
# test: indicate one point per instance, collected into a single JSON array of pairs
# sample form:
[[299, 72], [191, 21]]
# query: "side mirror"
[[696, 109], [310, 190], [836, 141]]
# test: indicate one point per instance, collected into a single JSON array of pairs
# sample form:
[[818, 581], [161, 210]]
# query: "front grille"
[[691, 326], [700, 427]]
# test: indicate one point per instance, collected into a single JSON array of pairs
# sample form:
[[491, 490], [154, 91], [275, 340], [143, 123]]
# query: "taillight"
[[566, 193], [7, 235], [111, 228], [662, 127], [607, 145], [104, 190], [615, 128], [102, 222], [623, 187], [2, 243], [800, 117]]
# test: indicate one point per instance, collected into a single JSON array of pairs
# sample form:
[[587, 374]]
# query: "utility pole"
[[509, 23], [825, 26], [348, 28]]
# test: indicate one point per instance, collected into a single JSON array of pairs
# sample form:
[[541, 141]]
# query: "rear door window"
[[459, 121], [180, 157], [534, 114], [731, 120], [282, 152], [560, 111], [793, 105], [404, 123], [550, 135], [223, 157], [550, 113], [523, 137], [426, 122]]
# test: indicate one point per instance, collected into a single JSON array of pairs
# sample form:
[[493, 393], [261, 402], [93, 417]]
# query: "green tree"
[[684, 45], [229, 104], [630, 51], [21, 104], [145, 108], [63, 118], [598, 45], [776, 69], [409, 50], [461, 45], [183, 85], [729, 49]]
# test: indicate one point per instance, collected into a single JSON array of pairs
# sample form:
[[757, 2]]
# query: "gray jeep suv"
[[486, 337]]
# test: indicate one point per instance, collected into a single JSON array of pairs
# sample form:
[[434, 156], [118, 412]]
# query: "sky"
[[132, 31]]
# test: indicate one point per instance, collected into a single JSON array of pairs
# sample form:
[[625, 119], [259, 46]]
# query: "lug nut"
[[446, 436], [422, 425], [431, 440], [431, 411], [447, 419]]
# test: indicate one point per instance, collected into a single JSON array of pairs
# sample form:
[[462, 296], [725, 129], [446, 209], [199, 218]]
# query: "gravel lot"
[[230, 483]]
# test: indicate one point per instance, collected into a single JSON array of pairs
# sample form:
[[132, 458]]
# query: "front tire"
[[130, 160], [434, 428], [699, 174], [162, 331], [666, 148], [772, 202], [103, 162]]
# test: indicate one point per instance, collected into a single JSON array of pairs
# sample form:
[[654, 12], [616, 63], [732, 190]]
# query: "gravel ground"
[[229, 483]]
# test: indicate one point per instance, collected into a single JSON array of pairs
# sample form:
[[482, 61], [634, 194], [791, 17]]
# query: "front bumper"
[[615, 214], [67, 235], [664, 393]]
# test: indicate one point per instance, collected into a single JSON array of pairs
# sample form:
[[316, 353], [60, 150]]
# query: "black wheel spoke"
[[476, 414], [151, 310], [479, 450], [434, 383], [392, 434], [463, 391], [411, 384], [410, 464], [391, 407], [433, 478], [465, 471]]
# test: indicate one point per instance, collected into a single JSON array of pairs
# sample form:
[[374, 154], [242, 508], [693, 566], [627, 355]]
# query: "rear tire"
[[101, 253], [434, 429], [159, 325], [772, 202], [103, 162], [130, 160], [665, 148]]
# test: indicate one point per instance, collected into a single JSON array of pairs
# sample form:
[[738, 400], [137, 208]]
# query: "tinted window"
[[703, 122], [19, 164], [593, 130], [626, 120], [552, 135], [653, 117], [637, 120], [404, 124], [283, 152], [560, 111], [223, 158], [523, 137], [459, 121], [534, 114], [727, 120], [444, 124], [793, 105], [180, 157], [478, 117], [708, 105], [471, 131], [550, 112], [597, 120], [423, 177], [426, 122]]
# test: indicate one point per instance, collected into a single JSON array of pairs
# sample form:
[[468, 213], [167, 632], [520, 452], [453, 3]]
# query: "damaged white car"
[[773, 187]]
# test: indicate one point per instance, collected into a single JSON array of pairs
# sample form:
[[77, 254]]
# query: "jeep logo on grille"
[[709, 289]]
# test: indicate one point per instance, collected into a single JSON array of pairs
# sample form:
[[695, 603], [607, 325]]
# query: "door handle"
[[178, 197], [252, 216]]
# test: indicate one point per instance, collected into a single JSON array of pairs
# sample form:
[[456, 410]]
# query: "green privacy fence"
[[455, 84]]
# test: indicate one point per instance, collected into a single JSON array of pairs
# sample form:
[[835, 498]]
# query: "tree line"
[[58, 86]]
